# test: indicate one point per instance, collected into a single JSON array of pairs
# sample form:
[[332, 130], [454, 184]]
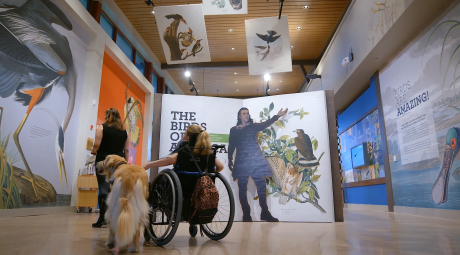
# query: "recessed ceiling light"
[[237, 90], [277, 89], [298, 28], [292, 47], [152, 12], [230, 30], [235, 73], [187, 74], [236, 82], [233, 48], [281, 81], [306, 7]]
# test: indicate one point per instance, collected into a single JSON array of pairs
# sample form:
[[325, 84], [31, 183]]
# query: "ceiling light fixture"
[[237, 90], [236, 82], [153, 10], [230, 30], [292, 47], [187, 74], [233, 48], [306, 7], [267, 77], [235, 73], [298, 28], [277, 89]]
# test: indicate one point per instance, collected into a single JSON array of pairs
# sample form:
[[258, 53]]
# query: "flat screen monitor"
[[359, 155]]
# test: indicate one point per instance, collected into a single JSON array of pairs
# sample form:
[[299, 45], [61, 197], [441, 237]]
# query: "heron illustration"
[[34, 59]]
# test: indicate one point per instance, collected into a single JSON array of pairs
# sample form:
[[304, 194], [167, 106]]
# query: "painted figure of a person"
[[250, 161]]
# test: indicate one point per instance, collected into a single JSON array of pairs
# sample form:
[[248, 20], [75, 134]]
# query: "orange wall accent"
[[113, 85]]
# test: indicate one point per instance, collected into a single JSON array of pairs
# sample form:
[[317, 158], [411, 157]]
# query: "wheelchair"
[[166, 200]]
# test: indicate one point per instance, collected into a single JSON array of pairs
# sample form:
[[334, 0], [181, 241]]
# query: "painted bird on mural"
[[196, 47], [187, 38], [305, 150], [269, 37], [264, 51], [236, 4], [176, 17], [133, 113], [287, 177], [34, 59]]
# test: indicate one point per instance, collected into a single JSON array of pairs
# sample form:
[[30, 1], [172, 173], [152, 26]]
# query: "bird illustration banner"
[[276, 156], [183, 33], [269, 47], [225, 7]]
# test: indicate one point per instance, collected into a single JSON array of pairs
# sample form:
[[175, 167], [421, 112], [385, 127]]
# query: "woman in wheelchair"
[[199, 146]]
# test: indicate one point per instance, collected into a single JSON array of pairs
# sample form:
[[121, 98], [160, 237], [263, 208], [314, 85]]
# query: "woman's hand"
[[281, 113]]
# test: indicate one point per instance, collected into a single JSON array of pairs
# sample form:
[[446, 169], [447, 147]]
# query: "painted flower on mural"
[[292, 160], [132, 114]]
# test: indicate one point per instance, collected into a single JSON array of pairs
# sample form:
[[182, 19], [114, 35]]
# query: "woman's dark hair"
[[239, 122]]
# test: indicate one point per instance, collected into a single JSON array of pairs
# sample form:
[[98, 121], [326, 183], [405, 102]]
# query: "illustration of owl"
[[133, 113], [285, 177]]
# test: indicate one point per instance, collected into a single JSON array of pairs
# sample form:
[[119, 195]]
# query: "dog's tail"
[[134, 211]]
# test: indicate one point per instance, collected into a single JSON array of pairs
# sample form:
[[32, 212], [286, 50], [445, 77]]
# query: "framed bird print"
[[183, 33], [268, 44], [224, 7]]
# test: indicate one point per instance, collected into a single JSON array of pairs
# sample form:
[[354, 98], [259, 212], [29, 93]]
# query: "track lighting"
[[187, 74]]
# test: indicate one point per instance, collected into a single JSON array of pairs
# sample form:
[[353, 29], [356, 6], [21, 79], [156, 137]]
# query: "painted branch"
[[188, 55]]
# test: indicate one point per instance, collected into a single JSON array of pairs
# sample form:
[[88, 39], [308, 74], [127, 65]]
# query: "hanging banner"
[[224, 7], [183, 33], [269, 47]]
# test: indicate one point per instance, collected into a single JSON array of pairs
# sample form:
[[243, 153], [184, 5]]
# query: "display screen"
[[359, 155]]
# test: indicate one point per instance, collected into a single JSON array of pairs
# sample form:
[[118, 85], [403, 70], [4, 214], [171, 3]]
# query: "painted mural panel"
[[422, 116], [278, 168], [225, 7], [120, 92], [42, 62], [365, 131]]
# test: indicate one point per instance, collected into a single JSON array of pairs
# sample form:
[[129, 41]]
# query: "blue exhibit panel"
[[369, 195]]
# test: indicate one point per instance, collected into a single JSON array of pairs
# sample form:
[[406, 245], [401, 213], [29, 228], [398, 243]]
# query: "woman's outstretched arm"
[[170, 160]]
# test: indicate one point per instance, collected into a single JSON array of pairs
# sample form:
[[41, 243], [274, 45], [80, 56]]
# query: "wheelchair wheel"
[[166, 205], [223, 221]]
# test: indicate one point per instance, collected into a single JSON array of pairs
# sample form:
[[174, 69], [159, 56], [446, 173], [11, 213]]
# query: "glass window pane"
[[140, 63], [125, 46], [106, 25], [85, 3], [154, 83]]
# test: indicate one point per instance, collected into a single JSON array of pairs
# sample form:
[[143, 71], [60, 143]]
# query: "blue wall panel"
[[369, 195], [355, 111]]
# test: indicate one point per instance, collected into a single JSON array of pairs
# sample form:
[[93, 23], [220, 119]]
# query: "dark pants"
[[104, 190], [261, 192]]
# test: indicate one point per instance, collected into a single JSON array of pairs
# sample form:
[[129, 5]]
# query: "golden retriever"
[[128, 209]]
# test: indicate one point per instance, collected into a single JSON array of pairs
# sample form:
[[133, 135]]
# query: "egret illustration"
[[34, 59], [440, 189]]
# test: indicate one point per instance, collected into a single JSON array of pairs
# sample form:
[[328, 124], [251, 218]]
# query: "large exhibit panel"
[[289, 156], [42, 69], [422, 117], [119, 91]]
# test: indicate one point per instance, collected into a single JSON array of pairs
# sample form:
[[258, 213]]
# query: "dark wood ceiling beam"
[[307, 62]]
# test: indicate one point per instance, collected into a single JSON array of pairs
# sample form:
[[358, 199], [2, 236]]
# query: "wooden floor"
[[363, 232]]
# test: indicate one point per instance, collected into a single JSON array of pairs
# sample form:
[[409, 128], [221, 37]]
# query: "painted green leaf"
[[279, 124], [265, 111], [315, 178], [315, 144], [306, 183], [311, 194], [267, 131], [272, 106], [289, 157], [301, 116], [284, 137], [303, 189], [265, 148], [292, 140], [261, 115]]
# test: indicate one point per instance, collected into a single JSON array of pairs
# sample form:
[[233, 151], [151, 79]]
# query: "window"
[[140, 63], [107, 25], [125, 46], [85, 3], [154, 83]]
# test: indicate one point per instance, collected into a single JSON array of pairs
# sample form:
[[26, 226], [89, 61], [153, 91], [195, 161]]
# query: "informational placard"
[[183, 33], [269, 47], [225, 7], [417, 136], [287, 157]]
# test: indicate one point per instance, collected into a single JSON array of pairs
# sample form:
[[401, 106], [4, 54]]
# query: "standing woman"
[[111, 139]]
